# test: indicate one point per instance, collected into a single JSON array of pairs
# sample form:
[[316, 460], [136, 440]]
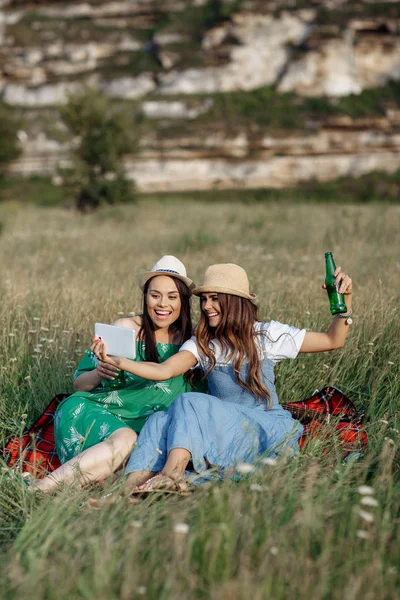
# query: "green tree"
[[104, 134], [9, 145]]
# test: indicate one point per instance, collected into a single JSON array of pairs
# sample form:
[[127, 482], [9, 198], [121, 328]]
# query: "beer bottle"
[[336, 300], [115, 384]]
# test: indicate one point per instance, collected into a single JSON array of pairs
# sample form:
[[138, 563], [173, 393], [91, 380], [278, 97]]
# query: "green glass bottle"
[[115, 384], [336, 300]]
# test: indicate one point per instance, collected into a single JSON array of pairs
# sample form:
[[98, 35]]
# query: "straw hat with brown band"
[[226, 279]]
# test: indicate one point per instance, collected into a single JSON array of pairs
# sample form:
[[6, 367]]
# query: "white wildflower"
[[120, 313], [365, 490], [245, 468], [11, 335], [274, 550], [390, 362], [366, 515], [136, 524], [364, 535], [256, 487], [182, 528], [369, 501], [36, 318], [269, 461], [141, 590]]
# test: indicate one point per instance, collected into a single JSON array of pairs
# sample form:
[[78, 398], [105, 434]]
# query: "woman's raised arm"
[[336, 335]]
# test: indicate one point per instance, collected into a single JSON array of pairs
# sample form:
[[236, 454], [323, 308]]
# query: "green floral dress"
[[87, 418]]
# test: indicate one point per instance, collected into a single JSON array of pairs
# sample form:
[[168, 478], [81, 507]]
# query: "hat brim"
[[144, 278], [223, 290]]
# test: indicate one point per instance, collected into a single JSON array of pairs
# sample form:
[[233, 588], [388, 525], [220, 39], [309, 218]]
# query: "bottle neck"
[[329, 262]]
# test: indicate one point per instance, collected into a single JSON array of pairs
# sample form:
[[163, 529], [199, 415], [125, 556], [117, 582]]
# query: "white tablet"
[[120, 341]]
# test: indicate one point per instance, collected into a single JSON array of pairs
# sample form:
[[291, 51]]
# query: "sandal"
[[163, 483]]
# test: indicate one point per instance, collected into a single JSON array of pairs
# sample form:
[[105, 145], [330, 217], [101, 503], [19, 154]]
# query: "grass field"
[[297, 529]]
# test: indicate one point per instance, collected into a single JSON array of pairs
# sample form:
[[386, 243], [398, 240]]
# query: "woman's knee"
[[125, 438], [155, 425]]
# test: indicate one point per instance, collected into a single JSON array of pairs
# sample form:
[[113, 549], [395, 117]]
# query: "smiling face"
[[163, 301], [211, 308]]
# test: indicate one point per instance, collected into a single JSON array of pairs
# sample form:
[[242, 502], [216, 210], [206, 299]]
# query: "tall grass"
[[294, 529]]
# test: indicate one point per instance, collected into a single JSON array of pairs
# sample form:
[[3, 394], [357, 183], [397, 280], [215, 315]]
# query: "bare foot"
[[110, 500]]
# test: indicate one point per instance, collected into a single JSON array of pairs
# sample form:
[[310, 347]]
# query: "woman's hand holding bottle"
[[106, 371]]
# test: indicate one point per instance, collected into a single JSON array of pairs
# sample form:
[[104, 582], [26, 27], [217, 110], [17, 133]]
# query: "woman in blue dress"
[[241, 419]]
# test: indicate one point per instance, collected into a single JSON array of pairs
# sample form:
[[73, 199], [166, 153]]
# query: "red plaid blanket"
[[330, 413], [35, 451]]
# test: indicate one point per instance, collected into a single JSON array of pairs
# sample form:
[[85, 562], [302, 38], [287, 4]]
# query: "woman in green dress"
[[96, 428]]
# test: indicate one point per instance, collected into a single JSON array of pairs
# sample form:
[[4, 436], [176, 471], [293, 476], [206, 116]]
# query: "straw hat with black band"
[[170, 266], [226, 279]]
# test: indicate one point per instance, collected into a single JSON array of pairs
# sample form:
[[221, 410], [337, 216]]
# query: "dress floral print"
[[87, 418]]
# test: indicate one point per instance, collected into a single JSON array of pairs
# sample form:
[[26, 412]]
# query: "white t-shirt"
[[276, 342]]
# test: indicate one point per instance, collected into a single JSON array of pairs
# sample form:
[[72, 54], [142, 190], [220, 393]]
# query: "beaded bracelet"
[[348, 318]]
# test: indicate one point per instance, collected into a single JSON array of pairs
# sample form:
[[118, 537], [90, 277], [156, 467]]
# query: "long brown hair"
[[183, 324], [237, 337]]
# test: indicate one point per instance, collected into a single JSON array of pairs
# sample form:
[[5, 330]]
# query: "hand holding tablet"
[[120, 341]]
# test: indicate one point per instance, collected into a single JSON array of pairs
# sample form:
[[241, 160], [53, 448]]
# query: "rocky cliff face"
[[164, 54]]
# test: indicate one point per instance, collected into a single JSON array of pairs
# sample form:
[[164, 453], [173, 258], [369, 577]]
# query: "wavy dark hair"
[[237, 337], [183, 324]]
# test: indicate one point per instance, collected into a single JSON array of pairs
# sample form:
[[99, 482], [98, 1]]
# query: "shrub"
[[104, 133]]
